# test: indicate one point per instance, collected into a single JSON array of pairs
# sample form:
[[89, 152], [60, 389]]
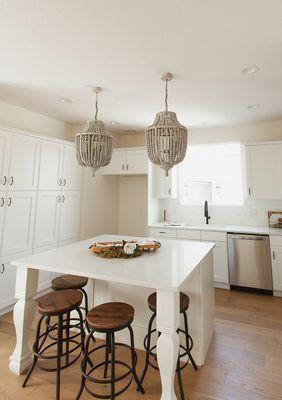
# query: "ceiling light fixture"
[[94, 147], [65, 100], [253, 106], [166, 139], [252, 69]]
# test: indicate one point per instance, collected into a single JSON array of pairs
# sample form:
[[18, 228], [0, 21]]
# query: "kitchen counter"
[[257, 230]]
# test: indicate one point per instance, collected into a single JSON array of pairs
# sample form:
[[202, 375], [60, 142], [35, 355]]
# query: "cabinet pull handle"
[[64, 182], [2, 202], [127, 167], [60, 182], [273, 255], [11, 180], [2, 268], [4, 180], [161, 232], [249, 191], [169, 191], [63, 199], [122, 167], [58, 199], [9, 201]]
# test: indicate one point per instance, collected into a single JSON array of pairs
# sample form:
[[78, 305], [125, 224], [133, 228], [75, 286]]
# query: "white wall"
[[21, 118]]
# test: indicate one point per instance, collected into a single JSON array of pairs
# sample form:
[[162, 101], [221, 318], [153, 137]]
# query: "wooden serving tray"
[[101, 247]]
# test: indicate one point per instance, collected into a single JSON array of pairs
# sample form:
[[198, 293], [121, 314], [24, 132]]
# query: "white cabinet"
[[71, 176], [24, 160], [47, 219], [220, 263], [69, 216], [51, 165], [18, 222], [2, 211], [162, 232], [131, 161], [276, 253], [5, 148], [265, 171], [166, 186]]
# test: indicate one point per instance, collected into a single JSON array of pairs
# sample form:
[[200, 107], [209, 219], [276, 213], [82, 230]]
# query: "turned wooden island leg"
[[168, 342], [26, 288]]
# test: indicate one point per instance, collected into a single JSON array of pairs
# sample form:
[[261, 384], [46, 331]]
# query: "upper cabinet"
[[166, 186], [59, 168], [130, 161], [5, 148], [265, 171]]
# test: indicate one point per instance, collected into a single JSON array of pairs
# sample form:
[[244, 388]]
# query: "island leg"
[[90, 292], [168, 342], [26, 288]]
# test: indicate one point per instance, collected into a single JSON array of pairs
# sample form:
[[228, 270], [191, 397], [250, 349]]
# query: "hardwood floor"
[[244, 361]]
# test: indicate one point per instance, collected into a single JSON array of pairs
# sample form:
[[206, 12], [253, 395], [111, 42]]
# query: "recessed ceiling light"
[[65, 100], [253, 106], [252, 69], [115, 122]]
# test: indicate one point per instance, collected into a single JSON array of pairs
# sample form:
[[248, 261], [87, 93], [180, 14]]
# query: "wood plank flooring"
[[244, 360]]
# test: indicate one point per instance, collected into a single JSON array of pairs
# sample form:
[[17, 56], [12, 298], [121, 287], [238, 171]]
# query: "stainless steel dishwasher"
[[249, 262]]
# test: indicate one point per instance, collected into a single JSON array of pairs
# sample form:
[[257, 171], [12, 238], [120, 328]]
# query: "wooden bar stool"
[[58, 305], [185, 350], [109, 318]]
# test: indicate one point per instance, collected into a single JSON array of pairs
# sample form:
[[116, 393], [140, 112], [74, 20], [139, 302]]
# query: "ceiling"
[[59, 48]]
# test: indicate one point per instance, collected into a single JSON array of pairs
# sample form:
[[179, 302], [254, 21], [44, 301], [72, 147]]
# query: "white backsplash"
[[254, 213]]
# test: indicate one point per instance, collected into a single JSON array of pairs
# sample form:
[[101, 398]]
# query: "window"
[[214, 173]]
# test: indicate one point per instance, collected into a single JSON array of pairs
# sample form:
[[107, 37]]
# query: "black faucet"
[[206, 212]]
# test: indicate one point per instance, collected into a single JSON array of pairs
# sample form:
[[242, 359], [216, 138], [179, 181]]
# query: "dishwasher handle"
[[248, 237]]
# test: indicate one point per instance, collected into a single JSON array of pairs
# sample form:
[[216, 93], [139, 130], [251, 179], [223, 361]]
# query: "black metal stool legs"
[[134, 361], [84, 367], [147, 345], [113, 365], [188, 346]]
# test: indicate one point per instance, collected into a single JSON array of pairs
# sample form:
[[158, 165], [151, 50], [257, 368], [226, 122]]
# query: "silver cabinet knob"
[[2, 202], [58, 199], [11, 180], [4, 180], [60, 182], [64, 182], [9, 201], [63, 199], [2, 268]]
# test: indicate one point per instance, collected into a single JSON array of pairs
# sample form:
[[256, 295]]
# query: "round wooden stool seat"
[[184, 302], [59, 302], [110, 316], [69, 282]]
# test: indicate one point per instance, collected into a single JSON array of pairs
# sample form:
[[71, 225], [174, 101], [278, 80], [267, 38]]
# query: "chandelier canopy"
[[94, 147], [166, 139]]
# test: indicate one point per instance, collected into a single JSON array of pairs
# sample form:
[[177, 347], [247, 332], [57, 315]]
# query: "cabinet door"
[[18, 222], [47, 219], [265, 172], [5, 148], [166, 186], [117, 164], [51, 164], [8, 275], [71, 169], [277, 267], [136, 162], [2, 211], [69, 216], [220, 262]]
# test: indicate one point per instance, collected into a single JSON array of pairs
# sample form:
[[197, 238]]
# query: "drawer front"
[[188, 234], [276, 240], [214, 236], [162, 232]]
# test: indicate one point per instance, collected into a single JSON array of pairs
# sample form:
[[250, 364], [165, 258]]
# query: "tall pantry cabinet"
[[40, 185]]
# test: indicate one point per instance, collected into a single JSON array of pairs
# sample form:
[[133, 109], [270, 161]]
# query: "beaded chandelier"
[[94, 147], [166, 139]]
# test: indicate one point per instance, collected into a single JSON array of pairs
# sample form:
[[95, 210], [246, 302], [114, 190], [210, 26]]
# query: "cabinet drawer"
[[162, 232], [188, 234], [276, 240], [214, 236]]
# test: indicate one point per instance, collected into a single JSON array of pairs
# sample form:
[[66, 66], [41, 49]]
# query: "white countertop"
[[167, 268], [260, 230]]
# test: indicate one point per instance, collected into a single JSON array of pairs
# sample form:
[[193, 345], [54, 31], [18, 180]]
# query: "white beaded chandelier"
[[166, 139], [94, 147]]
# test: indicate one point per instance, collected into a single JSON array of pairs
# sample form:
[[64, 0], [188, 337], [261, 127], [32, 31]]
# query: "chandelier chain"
[[96, 105], [166, 95]]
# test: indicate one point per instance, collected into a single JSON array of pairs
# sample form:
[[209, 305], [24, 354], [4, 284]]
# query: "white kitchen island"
[[178, 266]]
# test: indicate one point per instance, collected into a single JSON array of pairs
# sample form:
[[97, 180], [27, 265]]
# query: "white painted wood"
[[265, 171], [137, 162], [5, 149], [185, 234], [276, 261], [71, 169], [69, 216], [18, 222], [166, 186], [48, 207], [275, 240], [51, 165], [26, 288], [117, 165], [214, 236], [24, 163], [168, 342], [45, 277], [162, 232], [3, 199]]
